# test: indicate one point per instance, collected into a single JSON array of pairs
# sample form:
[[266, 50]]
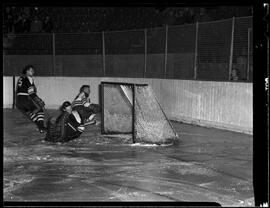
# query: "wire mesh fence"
[[181, 52], [241, 44], [155, 52], [124, 53], [78, 54], [218, 50], [214, 44]]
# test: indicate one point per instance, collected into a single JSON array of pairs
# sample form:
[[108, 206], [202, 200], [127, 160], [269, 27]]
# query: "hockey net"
[[133, 109]]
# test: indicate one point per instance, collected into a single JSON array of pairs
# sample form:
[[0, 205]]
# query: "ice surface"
[[206, 165]]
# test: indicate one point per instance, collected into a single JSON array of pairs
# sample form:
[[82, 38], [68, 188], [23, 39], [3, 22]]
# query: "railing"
[[219, 50]]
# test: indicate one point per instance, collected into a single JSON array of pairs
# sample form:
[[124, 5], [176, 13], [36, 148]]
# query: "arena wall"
[[8, 92], [226, 105]]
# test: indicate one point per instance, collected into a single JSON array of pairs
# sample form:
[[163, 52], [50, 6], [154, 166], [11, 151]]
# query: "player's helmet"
[[83, 87]]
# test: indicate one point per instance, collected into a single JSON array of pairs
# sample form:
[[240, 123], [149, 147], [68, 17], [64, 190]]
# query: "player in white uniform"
[[84, 107]]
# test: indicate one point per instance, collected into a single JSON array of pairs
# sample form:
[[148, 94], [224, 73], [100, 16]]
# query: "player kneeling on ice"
[[67, 126], [27, 100], [84, 107]]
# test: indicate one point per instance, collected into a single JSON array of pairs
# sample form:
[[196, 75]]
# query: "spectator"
[[47, 26], [8, 20], [22, 24], [26, 23], [36, 25], [179, 17], [235, 74], [18, 25]]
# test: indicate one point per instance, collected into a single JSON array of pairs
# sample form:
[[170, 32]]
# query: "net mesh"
[[117, 109], [150, 122]]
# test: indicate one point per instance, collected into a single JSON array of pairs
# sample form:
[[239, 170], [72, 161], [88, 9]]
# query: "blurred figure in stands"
[[26, 23], [235, 74], [18, 25], [47, 26], [36, 25], [8, 19], [22, 24]]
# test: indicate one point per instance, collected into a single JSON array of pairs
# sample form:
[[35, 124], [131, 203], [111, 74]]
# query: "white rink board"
[[227, 105]]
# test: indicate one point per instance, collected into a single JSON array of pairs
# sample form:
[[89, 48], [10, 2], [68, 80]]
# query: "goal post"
[[133, 109]]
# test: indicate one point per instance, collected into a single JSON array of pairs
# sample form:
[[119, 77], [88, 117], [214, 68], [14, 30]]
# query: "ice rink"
[[207, 164]]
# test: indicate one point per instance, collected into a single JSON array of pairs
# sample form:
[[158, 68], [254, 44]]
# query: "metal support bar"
[[14, 92], [145, 52], [103, 54], [53, 44], [166, 51], [196, 51], [231, 51], [248, 53], [133, 114]]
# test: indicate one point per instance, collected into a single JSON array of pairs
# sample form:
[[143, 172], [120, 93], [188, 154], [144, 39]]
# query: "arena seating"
[[91, 19]]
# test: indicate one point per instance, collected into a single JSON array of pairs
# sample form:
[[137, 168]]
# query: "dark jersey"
[[25, 87], [66, 127], [75, 125]]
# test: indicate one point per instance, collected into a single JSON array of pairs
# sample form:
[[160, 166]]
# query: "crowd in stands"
[[91, 19], [26, 20]]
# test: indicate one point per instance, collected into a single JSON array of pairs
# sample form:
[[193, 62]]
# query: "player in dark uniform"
[[27, 100], [84, 107], [67, 126]]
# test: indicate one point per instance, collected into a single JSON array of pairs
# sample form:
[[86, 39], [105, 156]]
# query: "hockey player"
[[27, 100], [67, 126], [84, 107]]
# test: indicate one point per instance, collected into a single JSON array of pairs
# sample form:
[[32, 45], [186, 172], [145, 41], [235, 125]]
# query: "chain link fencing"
[[219, 50]]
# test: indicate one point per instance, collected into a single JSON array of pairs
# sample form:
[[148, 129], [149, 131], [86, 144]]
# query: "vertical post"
[[102, 108], [166, 51], [103, 53], [145, 52], [196, 51], [53, 42], [248, 53], [14, 92], [231, 51], [133, 113]]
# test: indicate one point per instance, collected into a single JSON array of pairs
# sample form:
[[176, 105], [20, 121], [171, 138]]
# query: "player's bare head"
[[66, 107], [85, 89], [28, 70]]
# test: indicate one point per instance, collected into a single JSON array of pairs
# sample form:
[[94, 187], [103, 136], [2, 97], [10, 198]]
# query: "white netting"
[[151, 124], [117, 110]]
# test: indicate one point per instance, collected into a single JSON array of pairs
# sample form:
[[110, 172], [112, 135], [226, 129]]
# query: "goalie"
[[67, 126], [27, 100], [84, 107]]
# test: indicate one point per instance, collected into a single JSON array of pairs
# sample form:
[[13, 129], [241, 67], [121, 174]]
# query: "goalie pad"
[[56, 131], [64, 128]]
